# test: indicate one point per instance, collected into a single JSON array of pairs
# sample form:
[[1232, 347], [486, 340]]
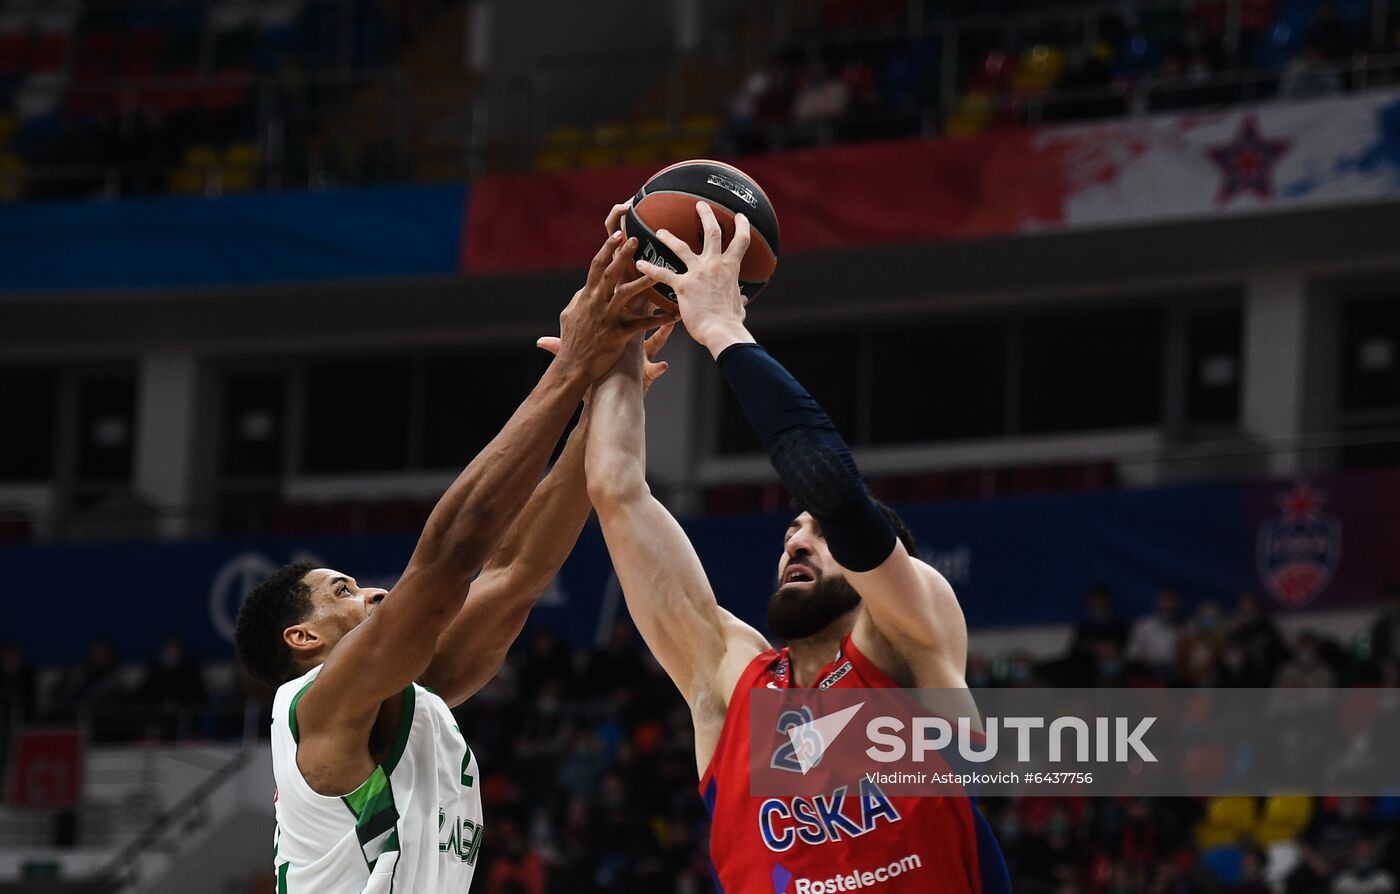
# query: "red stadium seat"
[[396, 515], [50, 52], [15, 51], [340, 518], [14, 529], [292, 518]]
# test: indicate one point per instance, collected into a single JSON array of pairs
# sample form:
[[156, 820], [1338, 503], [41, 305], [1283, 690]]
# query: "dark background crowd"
[[186, 96], [590, 778]]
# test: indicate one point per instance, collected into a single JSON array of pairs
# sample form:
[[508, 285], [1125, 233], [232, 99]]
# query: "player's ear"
[[301, 638]]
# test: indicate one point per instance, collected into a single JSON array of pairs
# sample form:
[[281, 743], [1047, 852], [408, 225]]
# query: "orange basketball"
[[667, 202]]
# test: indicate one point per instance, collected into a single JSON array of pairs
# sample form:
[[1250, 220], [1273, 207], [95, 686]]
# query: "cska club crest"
[[1299, 548]]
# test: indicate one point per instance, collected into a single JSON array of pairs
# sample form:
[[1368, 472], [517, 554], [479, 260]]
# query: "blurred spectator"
[[546, 658], [172, 690], [1100, 624], [1153, 641], [1362, 875], [1385, 632], [1332, 841], [96, 681], [1307, 668], [1331, 38], [1201, 645], [175, 679], [18, 692], [1309, 76], [1254, 648], [516, 869], [1253, 879]]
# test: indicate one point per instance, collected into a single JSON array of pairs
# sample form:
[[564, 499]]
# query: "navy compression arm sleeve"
[[810, 457]]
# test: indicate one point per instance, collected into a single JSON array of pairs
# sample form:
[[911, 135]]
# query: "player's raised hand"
[[598, 322], [652, 369], [711, 305], [613, 222]]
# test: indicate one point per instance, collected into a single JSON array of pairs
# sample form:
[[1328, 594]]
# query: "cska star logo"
[[1299, 549]]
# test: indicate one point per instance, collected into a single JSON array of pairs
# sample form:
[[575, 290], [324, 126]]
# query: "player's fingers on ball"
[[658, 273], [641, 323], [629, 290], [621, 260], [658, 339], [670, 309], [603, 257], [614, 220], [714, 236], [676, 244], [743, 234]]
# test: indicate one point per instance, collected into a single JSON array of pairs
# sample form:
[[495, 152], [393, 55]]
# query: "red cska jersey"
[[874, 843]]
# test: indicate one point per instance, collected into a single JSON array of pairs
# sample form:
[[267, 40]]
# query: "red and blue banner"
[[1199, 165], [1130, 171]]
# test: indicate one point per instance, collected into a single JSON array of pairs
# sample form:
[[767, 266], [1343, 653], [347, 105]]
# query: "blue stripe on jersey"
[[711, 792], [991, 863]]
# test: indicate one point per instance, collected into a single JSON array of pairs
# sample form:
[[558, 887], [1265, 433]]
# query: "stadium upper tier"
[[191, 96]]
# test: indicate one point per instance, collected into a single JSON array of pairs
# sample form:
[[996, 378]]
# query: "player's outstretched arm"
[[395, 644], [475, 643], [472, 649], [910, 604], [703, 648]]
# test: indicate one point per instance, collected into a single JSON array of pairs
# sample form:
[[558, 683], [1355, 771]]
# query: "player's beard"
[[798, 613]]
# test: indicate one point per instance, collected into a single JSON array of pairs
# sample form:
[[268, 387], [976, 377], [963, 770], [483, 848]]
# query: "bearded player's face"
[[812, 588]]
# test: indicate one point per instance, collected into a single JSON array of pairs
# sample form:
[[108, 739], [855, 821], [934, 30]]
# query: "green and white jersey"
[[413, 827]]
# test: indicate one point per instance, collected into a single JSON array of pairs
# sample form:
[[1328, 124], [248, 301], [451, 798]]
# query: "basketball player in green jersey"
[[377, 790]]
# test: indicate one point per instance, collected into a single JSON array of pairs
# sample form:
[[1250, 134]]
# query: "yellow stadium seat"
[[552, 161], [1228, 821], [564, 136], [241, 155], [973, 115], [1210, 836], [646, 144], [11, 178], [238, 180], [559, 150], [603, 151], [201, 157], [686, 148], [1038, 69], [1233, 812], [700, 127], [644, 153], [188, 181], [1284, 819]]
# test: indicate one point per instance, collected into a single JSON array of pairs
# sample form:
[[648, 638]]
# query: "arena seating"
[[153, 96], [557, 778]]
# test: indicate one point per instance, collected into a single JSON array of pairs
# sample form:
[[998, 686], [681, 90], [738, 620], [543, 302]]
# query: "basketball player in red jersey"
[[854, 605]]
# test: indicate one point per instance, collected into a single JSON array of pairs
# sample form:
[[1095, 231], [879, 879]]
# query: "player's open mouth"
[[798, 574]]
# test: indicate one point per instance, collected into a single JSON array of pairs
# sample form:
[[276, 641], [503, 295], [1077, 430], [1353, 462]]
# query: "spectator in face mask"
[[1201, 646], [1153, 642]]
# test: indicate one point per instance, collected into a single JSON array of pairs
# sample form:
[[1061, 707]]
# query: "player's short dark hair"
[[901, 530], [280, 601]]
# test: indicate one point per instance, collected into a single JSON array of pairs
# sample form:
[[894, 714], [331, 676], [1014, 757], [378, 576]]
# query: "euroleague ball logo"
[[1299, 549]]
